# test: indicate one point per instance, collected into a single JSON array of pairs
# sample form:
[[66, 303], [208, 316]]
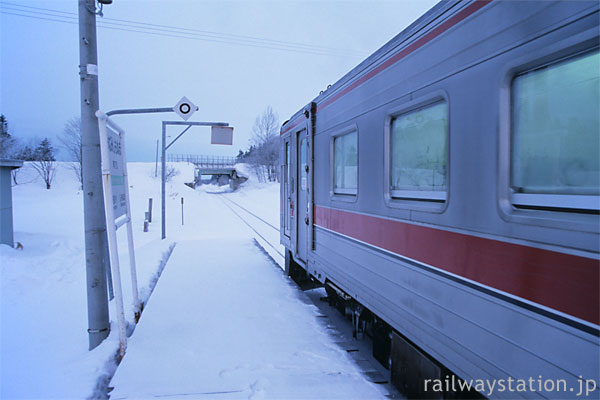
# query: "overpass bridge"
[[220, 169]]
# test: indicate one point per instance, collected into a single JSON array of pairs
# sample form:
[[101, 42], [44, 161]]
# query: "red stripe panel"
[[290, 125], [409, 49], [560, 281]]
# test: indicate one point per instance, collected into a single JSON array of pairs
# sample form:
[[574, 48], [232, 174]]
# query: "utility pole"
[[93, 198]]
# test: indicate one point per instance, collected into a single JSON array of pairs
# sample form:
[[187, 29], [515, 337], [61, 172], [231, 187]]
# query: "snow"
[[222, 319], [230, 324], [43, 306]]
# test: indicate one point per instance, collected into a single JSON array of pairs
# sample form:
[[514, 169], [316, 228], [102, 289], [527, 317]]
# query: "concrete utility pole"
[[93, 199]]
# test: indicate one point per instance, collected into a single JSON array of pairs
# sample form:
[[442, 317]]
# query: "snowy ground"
[[222, 317], [43, 319]]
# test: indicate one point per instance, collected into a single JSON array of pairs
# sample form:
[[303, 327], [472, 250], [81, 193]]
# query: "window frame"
[[346, 195], [562, 201], [432, 201], [536, 209]]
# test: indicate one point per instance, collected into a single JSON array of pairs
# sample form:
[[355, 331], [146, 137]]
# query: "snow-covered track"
[[251, 213], [253, 221]]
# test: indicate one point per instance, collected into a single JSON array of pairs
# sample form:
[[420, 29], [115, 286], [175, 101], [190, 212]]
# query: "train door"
[[303, 193], [287, 189]]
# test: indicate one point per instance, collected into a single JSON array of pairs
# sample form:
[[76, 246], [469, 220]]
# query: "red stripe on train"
[[563, 282], [287, 128], [471, 9]]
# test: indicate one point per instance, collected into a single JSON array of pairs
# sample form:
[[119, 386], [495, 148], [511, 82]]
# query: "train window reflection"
[[345, 163], [419, 153], [556, 135]]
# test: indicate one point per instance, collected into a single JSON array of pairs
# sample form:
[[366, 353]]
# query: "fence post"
[[150, 209]]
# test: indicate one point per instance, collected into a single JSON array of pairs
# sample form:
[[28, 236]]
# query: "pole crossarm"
[[178, 136], [139, 111], [189, 125], [194, 123]]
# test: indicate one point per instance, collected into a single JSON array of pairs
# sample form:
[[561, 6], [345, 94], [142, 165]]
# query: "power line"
[[186, 36], [182, 36], [307, 51], [201, 32], [175, 32]]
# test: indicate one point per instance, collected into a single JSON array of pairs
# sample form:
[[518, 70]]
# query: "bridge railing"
[[203, 161]]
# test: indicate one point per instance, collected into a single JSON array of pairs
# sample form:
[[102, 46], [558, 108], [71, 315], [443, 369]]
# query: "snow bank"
[[43, 306]]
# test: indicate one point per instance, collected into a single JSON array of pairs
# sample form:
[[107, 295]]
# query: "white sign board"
[[221, 135], [118, 213], [115, 165]]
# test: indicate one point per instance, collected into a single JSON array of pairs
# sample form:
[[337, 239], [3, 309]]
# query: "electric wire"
[[172, 31], [305, 51], [196, 31]]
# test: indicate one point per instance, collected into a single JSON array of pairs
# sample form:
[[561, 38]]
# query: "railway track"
[[262, 228]]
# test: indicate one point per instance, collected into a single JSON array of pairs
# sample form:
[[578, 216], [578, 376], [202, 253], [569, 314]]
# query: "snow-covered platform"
[[228, 324], [223, 320]]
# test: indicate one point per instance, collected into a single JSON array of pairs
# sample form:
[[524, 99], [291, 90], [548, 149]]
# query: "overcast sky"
[[231, 58]]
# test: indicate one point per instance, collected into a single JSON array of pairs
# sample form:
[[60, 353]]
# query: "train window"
[[345, 163], [418, 153], [555, 144]]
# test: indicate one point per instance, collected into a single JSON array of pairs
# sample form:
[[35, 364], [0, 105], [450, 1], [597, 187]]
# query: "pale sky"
[[231, 58]]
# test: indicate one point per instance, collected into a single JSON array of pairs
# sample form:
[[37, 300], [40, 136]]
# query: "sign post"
[[118, 213], [165, 146]]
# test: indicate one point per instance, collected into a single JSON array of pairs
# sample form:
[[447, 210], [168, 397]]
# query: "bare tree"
[[44, 162], [264, 155], [170, 173], [71, 142], [266, 126]]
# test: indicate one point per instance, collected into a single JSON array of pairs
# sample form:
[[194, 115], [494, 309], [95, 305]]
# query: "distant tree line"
[[263, 153], [41, 154]]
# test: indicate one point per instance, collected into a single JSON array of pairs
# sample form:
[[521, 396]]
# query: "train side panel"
[[488, 290]]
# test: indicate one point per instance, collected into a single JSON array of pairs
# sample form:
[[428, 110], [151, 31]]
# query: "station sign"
[[118, 213], [115, 156]]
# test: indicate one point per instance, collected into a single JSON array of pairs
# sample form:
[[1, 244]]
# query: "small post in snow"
[[150, 209], [182, 211], [156, 163]]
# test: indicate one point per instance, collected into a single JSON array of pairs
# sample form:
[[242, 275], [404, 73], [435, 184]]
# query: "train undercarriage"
[[409, 365]]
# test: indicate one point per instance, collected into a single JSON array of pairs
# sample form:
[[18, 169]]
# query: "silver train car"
[[448, 188]]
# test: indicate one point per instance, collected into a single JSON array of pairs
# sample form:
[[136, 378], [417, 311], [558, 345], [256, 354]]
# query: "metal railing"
[[203, 161]]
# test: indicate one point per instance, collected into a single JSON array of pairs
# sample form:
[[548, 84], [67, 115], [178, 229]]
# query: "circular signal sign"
[[185, 108]]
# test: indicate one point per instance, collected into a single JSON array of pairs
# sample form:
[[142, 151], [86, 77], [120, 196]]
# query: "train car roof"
[[434, 16]]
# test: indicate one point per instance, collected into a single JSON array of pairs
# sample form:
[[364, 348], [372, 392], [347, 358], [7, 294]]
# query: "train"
[[447, 191]]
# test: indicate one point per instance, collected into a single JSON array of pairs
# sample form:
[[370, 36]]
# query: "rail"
[[253, 227]]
